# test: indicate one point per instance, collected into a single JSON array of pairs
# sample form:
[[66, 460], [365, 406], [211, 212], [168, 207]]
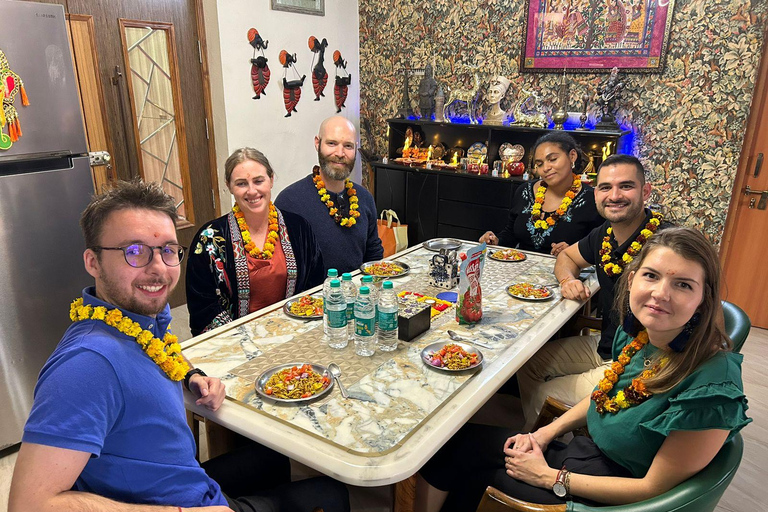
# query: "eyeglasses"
[[140, 255]]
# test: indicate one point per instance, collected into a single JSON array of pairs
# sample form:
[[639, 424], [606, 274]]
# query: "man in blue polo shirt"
[[108, 427]]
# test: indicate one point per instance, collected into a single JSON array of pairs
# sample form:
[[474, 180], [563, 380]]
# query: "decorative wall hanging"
[[10, 86], [259, 69], [596, 36], [319, 74], [316, 7], [342, 81], [292, 88]]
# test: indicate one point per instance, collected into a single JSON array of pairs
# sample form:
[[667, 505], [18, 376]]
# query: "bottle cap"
[[332, 272], [387, 285], [364, 290], [367, 279], [335, 283], [346, 276]]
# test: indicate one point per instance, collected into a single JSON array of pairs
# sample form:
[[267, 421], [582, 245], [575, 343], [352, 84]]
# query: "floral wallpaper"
[[688, 121]]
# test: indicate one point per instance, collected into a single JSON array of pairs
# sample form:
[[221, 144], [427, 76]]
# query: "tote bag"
[[393, 234]]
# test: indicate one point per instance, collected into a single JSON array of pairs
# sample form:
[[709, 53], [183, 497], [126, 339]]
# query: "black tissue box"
[[413, 319]]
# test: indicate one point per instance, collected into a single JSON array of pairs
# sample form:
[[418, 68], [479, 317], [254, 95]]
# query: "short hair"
[[239, 156], [566, 143], [625, 159], [123, 195]]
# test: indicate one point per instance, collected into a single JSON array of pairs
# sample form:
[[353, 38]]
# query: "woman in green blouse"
[[673, 397]]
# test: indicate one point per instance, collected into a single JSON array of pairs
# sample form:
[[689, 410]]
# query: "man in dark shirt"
[[568, 369], [342, 213]]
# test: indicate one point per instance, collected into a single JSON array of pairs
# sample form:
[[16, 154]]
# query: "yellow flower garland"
[[325, 197], [272, 236], [538, 217], [166, 354], [606, 249]]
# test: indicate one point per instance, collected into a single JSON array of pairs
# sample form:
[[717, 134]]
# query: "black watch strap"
[[190, 373]]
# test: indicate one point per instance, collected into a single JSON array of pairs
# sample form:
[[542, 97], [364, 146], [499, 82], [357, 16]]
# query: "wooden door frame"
[[759, 105]]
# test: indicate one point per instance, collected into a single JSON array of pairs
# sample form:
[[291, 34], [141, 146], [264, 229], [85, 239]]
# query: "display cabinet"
[[448, 203]]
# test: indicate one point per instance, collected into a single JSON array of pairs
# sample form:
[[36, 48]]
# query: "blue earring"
[[631, 325], [681, 340]]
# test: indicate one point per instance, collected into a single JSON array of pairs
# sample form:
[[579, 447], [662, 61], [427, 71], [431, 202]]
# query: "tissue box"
[[413, 319]]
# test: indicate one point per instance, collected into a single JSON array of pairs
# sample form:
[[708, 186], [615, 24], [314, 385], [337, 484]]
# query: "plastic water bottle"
[[387, 315], [349, 290], [336, 316], [365, 323], [368, 281], [332, 274]]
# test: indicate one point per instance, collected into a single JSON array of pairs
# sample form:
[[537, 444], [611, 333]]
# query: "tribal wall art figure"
[[10, 86], [259, 68], [319, 74], [291, 88], [342, 81]]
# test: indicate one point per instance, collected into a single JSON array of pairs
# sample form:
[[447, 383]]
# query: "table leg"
[[405, 495]]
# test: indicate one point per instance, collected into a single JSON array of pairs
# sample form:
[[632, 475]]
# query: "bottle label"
[[387, 321], [365, 326], [351, 311], [337, 319]]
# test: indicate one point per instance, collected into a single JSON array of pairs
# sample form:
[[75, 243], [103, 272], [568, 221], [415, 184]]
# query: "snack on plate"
[[529, 290], [384, 268], [437, 305], [508, 255], [453, 357], [308, 306], [296, 382]]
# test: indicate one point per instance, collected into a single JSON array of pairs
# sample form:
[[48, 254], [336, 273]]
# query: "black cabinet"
[[445, 203]]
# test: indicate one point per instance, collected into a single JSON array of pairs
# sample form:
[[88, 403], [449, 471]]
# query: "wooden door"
[[160, 136], [745, 244]]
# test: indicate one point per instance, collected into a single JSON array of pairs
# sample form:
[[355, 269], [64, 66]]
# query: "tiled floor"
[[743, 495]]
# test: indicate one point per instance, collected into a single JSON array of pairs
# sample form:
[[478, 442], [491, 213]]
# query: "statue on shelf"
[[427, 88], [527, 111], [439, 104], [466, 96], [497, 89], [609, 93], [405, 111]]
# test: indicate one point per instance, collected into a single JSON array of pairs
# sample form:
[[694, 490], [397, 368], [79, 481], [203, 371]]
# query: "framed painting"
[[596, 35], [316, 7]]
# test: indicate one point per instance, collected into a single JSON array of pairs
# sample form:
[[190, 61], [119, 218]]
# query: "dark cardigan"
[[218, 286]]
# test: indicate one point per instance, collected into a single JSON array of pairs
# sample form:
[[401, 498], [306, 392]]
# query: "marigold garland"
[[633, 394], [166, 354], [606, 251], [272, 236], [538, 218], [325, 197]]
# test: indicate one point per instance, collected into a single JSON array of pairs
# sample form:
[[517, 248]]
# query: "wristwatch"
[[190, 373], [561, 487]]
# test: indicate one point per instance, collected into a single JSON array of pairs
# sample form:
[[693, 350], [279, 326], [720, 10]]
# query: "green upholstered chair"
[[700, 493], [737, 324]]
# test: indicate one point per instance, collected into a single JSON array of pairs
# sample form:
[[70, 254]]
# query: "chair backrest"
[[737, 324], [700, 493]]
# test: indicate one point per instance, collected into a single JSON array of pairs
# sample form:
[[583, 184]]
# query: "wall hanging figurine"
[[342, 81], [319, 74], [10, 86], [259, 68], [466, 96], [292, 88]]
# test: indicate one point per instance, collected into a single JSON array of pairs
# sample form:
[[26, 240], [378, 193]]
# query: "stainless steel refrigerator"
[[45, 183]]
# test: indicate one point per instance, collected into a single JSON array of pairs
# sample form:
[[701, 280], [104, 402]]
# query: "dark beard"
[[332, 172]]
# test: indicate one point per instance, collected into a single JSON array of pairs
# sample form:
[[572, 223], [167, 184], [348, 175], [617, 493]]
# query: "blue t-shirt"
[[100, 393]]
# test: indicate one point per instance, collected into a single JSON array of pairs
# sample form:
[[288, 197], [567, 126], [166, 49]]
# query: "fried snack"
[[308, 306], [453, 357], [384, 269], [529, 291], [296, 382], [508, 255]]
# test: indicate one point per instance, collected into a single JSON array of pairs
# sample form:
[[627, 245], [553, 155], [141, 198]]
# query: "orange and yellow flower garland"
[[272, 236], [633, 394], [166, 354], [613, 269], [325, 197], [536, 214]]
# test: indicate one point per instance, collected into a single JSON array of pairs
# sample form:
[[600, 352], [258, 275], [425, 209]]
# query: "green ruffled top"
[[712, 397]]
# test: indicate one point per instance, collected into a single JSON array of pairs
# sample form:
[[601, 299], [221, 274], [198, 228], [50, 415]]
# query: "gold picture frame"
[[314, 7]]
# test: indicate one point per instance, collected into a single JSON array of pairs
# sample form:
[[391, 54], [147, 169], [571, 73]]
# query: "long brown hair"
[[709, 336]]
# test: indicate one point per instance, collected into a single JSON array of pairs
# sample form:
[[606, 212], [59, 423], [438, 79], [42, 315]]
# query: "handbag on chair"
[[394, 236]]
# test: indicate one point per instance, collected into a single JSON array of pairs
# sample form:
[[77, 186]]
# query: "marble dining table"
[[409, 409]]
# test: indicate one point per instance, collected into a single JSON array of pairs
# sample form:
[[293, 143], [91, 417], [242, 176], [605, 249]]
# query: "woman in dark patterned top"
[[556, 211]]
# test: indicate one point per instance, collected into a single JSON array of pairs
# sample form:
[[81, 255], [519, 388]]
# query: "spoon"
[[336, 372], [456, 337]]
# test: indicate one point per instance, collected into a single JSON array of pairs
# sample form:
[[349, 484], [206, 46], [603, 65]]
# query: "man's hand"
[[574, 289], [209, 390], [558, 248], [490, 238]]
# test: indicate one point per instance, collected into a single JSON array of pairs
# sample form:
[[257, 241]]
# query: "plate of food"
[[451, 356], [306, 307], [507, 255], [529, 291], [294, 383], [385, 268]]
